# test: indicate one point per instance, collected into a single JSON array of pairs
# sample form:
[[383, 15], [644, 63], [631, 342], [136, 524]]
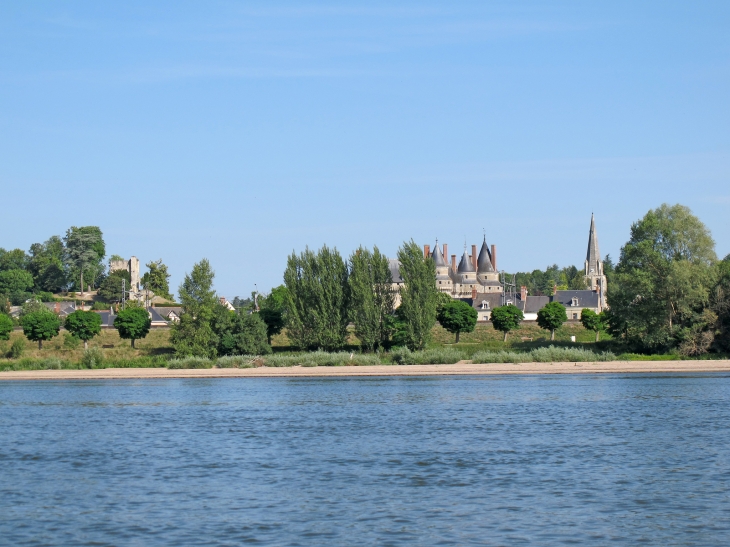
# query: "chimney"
[[453, 263], [446, 251], [473, 293], [426, 251], [58, 308], [523, 293], [223, 300], [474, 256], [494, 257], [555, 290]]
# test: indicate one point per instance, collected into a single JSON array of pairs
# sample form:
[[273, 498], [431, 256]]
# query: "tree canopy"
[[156, 279], [593, 321], [193, 335], [551, 317], [419, 295], [133, 324], [85, 252], [6, 327], [41, 325], [111, 288], [506, 318], [457, 316], [84, 325]]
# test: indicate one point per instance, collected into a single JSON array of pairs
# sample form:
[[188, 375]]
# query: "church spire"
[[593, 256]]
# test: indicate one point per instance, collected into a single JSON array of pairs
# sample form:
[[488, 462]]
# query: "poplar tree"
[[419, 295], [372, 297], [318, 299], [192, 335]]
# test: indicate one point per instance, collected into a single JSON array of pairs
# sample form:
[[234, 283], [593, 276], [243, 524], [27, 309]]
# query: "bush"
[[190, 362], [6, 326], [92, 358], [321, 359], [552, 354], [70, 341], [438, 356], [501, 357], [17, 349], [236, 361]]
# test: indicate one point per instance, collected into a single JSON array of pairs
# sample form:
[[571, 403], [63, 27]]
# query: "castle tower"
[[595, 279], [443, 279]]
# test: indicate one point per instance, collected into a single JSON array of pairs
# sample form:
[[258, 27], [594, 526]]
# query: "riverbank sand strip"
[[382, 370]]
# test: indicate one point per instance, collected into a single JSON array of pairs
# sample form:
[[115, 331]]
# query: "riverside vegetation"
[[668, 295]]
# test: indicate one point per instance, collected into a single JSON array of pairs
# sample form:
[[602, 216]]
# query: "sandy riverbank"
[[384, 370]]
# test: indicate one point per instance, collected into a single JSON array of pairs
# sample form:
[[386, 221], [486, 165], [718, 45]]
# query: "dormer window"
[[485, 305], [575, 301]]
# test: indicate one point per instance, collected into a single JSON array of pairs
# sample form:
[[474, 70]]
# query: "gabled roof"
[[585, 298], [484, 262], [438, 257], [465, 266]]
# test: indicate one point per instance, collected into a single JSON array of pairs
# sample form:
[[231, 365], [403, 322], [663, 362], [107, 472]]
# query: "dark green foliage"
[[132, 324], [70, 341], [372, 297], [457, 316], [720, 305], [318, 299], [111, 288], [506, 318], [419, 296], [192, 335], [46, 265], [273, 311], [84, 325], [551, 317], [84, 253], [593, 321], [662, 283], [246, 336], [6, 326], [543, 283], [13, 260], [16, 284], [40, 325], [16, 349], [157, 279]]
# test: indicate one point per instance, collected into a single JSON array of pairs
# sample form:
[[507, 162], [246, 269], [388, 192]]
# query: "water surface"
[[488, 460]]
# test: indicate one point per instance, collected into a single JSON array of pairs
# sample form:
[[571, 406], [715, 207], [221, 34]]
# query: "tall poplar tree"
[[318, 299], [193, 335], [419, 295], [372, 297]]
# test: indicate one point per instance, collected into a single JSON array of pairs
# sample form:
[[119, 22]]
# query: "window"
[[575, 301], [575, 316]]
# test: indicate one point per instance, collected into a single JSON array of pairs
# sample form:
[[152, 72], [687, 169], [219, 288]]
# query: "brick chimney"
[[58, 308], [523, 293], [494, 257], [446, 251], [473, 293], [223, 300], [474, 256], [453, 263], [555, 290], [426, 251]]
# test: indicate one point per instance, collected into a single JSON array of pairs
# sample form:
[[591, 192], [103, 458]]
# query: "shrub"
[[70, 341], [236, 361], [190, 362], [92, 358], [6, 326], [552, 354], [17, 349], [438, 356], [501, 357]]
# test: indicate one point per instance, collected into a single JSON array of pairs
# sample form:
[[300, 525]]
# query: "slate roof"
[[586, 298], [465, 266], [394, 266], [593, 256], [438, 257], [484, 262]]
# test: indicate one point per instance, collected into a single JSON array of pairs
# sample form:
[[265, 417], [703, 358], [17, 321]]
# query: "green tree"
[[40, 325], [6, 327], [132, 323], [720, 305], [551, 317], [16, 284], [593, 321], [419, 295], [372, 297], [13, 260], [456, 317], [84, 251], [84, 325], [111, 288], [246, 335], [318, 299], [273, 310], [193, 335], [46, 265], [662, 283], [156, 279], [506, 318]]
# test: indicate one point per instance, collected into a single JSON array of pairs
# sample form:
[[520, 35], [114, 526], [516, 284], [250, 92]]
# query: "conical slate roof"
[[484, 262], [438, 257], [593, 256], [465, 266]]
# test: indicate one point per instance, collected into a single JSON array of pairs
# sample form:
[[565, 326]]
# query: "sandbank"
[[458, 369]]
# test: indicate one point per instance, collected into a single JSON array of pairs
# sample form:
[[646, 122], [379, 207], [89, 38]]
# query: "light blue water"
[[534, 460]]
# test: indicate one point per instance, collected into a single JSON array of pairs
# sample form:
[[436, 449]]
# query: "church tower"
[[595, 279]]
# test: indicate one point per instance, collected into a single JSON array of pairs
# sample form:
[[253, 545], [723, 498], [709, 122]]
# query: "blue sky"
[[240, 131]]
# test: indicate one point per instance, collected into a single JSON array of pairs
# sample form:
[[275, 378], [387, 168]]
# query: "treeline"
[[322, 294], [74, 262], [543, 282]]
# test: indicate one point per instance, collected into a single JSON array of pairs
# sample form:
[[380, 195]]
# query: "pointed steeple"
[[438, 257], [484, 262], [466, 265], [593, 256]]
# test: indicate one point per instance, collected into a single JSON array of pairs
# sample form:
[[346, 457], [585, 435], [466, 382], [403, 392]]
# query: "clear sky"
[[241, 131]]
